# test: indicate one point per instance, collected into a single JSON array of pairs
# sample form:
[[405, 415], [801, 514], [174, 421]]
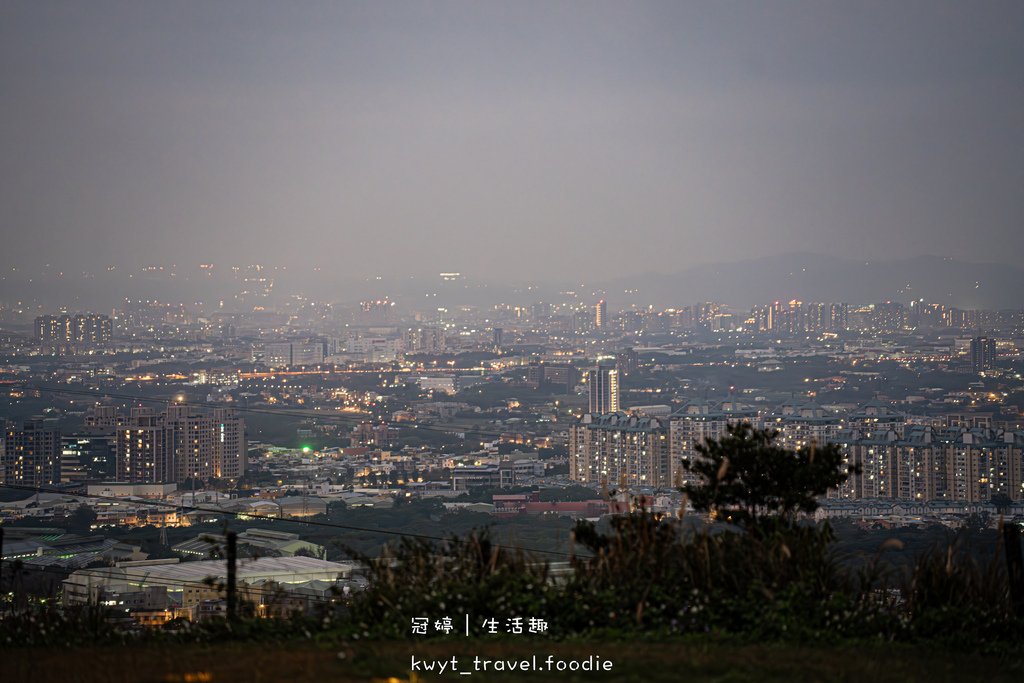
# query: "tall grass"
[[470, 576], [951, 595]]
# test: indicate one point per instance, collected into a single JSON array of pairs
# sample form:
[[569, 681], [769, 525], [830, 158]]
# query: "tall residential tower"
[[603, 383]]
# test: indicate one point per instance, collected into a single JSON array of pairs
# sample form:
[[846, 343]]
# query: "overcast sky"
[[511, 140]]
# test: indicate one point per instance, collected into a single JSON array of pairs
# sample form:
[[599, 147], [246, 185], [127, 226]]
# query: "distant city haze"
[[514, 142]]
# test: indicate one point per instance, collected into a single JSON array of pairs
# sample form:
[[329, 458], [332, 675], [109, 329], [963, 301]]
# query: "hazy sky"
[[509, 140]]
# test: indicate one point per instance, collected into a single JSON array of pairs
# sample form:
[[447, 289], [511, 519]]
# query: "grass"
[[693, 661]]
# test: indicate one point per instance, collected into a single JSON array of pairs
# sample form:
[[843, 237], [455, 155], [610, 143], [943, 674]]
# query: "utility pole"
[[232, 539]]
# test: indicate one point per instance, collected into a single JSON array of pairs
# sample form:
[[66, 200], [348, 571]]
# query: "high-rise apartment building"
[[293, 353], [379, 434], [31, 455], [983, 353], [796, 317], [928, 316], [704, 314], [180, 443], [888, 316], [839, 317], [929, 464], [816, 317], [560, 377], [104, 416], [802, 423], [88, 453], [427, 340], [84, 329], [617, 450], [793, 314], [603, 384], [600, 314]]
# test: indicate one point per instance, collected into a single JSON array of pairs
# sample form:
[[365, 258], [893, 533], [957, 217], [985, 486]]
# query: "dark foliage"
[[746, 475]]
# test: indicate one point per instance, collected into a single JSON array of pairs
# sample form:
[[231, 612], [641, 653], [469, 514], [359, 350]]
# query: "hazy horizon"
[[513, 142], [799, 275]]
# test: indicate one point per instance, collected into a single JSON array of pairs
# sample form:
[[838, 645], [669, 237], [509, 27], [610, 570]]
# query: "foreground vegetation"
[[649, 576], [643, 577]]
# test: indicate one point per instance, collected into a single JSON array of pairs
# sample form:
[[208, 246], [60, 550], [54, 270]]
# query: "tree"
[[975, 523], [336, 509], [81, 519], [1001, 502], [746, 476]]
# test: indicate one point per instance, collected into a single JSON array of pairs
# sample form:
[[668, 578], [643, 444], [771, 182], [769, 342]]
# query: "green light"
[[306, 449]]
